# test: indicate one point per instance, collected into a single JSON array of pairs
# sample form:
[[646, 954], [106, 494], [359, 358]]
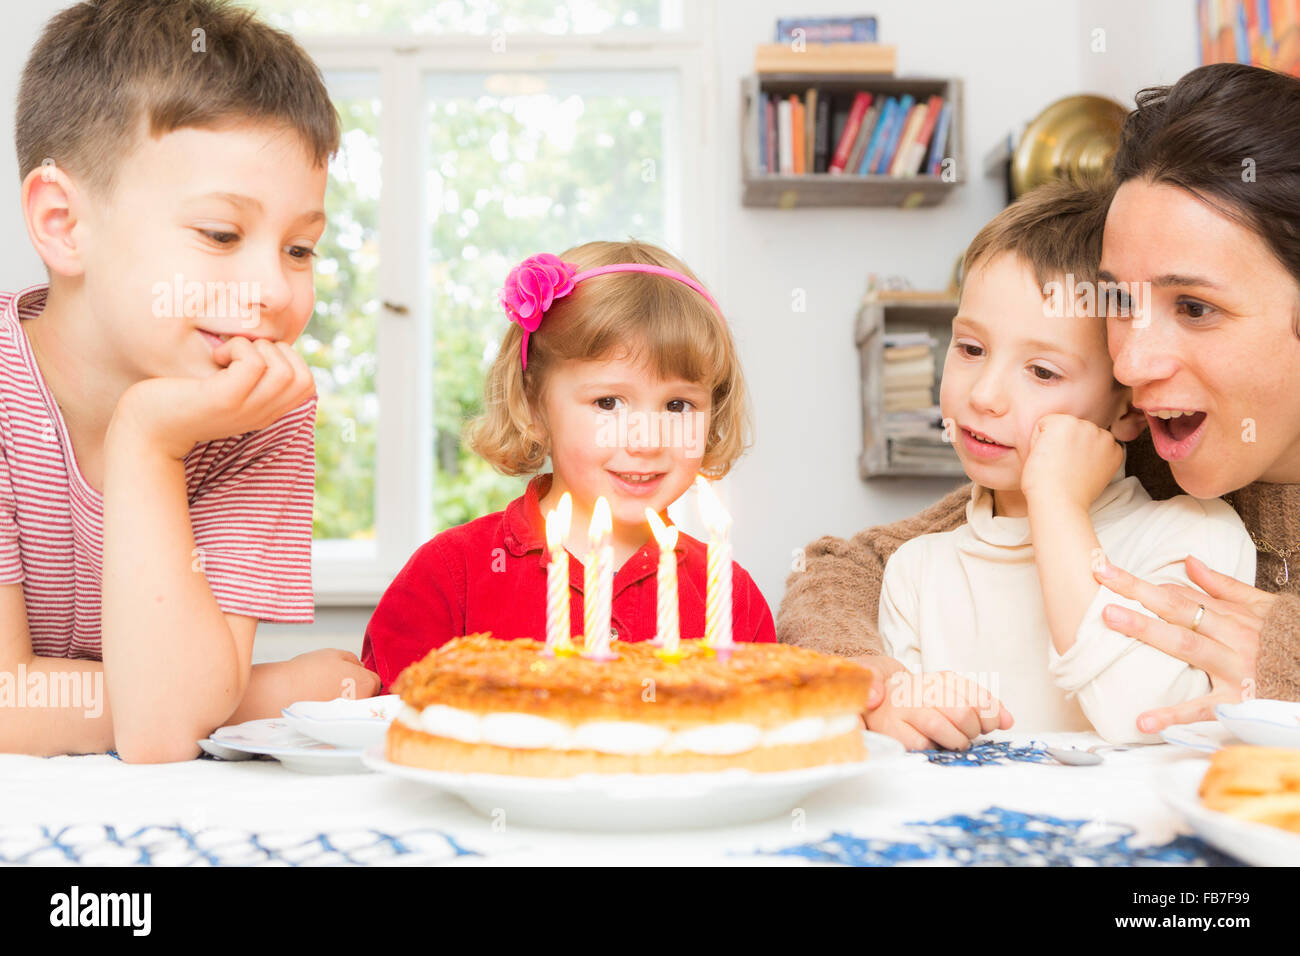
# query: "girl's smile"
[[633, 469]]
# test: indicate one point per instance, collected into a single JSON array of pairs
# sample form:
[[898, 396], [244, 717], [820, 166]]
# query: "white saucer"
[[1206, 736], [1254, 843], [345, 722], [273, 737], [641, 801], [1265, 723]]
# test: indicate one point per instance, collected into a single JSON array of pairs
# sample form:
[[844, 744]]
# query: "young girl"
[[619, 368]]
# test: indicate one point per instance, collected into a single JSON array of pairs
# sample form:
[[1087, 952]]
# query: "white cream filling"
[[529, 732]]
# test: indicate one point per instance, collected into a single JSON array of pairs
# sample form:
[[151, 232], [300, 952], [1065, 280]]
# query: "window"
[[459, 17], [557, 124], [520, 163]]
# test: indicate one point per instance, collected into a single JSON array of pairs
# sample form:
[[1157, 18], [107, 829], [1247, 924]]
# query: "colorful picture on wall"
[[1259, 32]]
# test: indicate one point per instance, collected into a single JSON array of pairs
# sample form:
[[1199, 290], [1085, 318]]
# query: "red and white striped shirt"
[[250, 502]]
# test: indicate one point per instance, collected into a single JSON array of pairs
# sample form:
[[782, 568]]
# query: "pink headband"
[[539, 280]]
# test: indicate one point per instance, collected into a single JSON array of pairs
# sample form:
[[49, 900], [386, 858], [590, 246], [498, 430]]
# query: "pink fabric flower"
[[530, 289]]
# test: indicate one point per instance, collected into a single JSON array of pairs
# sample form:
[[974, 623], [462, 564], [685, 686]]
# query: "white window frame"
[[404, 443]]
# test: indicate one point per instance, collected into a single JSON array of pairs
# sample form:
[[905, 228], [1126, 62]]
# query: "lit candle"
[[598, 584], [667, 631], [717, 602], [557, 579]]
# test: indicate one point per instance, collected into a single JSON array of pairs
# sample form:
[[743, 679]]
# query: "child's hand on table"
[[1070, 459], [330, 673], [937, 709]]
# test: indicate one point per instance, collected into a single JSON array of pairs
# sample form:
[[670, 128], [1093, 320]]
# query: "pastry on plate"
[[483, 705]]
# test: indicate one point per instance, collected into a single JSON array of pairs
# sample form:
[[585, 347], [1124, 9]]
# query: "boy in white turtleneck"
[[1009, 599]]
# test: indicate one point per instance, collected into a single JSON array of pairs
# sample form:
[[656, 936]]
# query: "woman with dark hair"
[[1207, 212], [1205, 227]]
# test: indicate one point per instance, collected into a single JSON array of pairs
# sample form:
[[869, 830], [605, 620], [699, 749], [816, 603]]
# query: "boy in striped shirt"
[[156, 426]]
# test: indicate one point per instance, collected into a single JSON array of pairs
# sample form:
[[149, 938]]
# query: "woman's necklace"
[[1284, 576]]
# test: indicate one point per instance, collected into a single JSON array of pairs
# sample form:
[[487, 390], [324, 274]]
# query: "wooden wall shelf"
[[910, 312], [844, 189]]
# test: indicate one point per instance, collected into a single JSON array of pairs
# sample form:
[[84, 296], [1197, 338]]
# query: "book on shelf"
[[892, 134], [918, 149], [864, 133], [783, 126], [923, 423], [903, 353], [906, 151], [796, 133], [939, 141], [877, 137], [910, 452], [822, 135], [890, 340], [861, 29], [826, 58], [904, 399], [809, 128], [914, 373], [861, 101], [864, 137]]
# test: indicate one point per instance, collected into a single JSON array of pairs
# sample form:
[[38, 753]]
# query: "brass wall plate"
[[1074, 138]]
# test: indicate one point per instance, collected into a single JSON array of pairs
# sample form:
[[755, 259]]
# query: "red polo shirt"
[[490, 575]]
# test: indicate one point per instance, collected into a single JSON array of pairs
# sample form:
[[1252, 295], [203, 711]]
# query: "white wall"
[[1014, 57], [19, 264], [801, 481], [1151, 43]]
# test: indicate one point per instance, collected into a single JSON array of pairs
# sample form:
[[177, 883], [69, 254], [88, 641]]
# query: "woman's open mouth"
[[1175, 432]]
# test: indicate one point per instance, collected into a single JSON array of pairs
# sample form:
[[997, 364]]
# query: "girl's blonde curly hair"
[[634, 315]]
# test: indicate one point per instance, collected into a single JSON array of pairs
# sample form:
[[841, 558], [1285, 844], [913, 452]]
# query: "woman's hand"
[[1225, 645]]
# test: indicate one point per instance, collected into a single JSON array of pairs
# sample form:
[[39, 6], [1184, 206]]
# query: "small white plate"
[[274, 737], [345, 722], [209, 746], [1206, 736], [1254, 843], [1265, 723], [650, 801]]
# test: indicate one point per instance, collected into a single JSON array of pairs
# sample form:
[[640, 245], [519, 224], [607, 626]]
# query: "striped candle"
[[557, 578], [667, 626], [717, 600], [598, 584]]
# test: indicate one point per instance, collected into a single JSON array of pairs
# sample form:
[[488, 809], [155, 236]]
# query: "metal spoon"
[[1074, 758], [1087, 758]]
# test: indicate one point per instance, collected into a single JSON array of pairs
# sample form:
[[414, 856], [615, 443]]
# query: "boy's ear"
[[1131, 423], [49, 201]]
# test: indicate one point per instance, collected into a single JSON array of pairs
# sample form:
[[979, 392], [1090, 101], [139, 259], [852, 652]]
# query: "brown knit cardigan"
[[833, 604]]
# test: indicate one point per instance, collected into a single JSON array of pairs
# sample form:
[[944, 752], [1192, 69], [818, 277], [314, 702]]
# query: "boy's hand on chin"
[[260, 381], [1070, 461]]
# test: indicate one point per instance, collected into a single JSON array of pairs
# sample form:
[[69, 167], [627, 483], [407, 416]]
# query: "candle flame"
[[711, 510], [557, 523], [665, 535], [602, 523]]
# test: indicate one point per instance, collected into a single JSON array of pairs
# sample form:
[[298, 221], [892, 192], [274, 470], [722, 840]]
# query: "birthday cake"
[[483, 705]]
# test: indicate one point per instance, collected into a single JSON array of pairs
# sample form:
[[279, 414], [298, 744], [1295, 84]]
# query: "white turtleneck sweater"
[[970, 601]]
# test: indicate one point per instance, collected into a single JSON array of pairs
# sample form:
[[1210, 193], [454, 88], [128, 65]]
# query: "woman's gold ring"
[[1200, 613]]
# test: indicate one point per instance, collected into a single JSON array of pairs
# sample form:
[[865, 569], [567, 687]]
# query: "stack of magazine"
[[913, 424]]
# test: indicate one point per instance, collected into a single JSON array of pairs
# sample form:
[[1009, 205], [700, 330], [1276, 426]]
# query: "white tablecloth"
[[98, 810]]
